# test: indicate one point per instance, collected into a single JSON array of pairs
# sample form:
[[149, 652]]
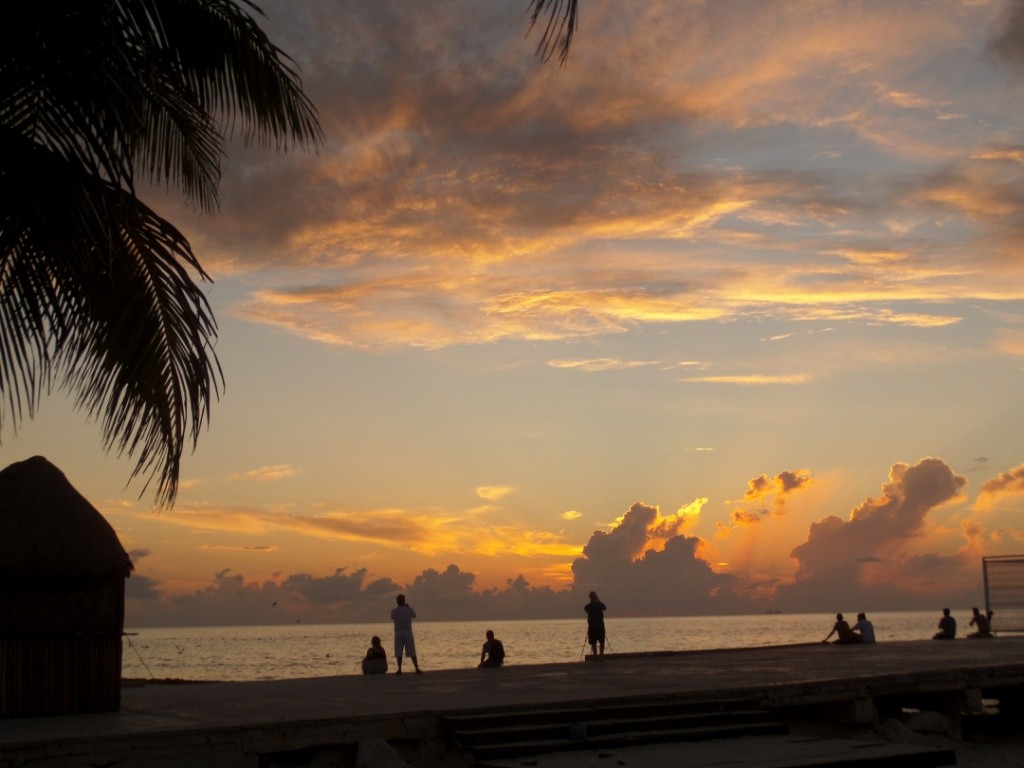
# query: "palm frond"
[[213, 54], [105, 306], [563, 15], [114, 83], [97, 293]]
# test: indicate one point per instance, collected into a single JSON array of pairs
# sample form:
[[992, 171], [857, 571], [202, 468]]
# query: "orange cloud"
[[1010, 342], [601, 364], [428, 532], [493, 492], [871, 547], [749, 516], [267, 474], [1005, 484], [752, 379], [763, 487]]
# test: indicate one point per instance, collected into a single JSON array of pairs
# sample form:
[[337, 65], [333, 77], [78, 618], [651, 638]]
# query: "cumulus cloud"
[[645, 563], [346, 596], [139, 587], [780, 486], [747, 516], [848, 559], [630, 535], [768, 495], [449, 594], [340, 587], [227, 600], [1010, 483], [643, 566], [230, 599]]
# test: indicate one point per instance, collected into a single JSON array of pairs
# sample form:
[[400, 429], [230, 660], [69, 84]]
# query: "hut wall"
[[63, 654]]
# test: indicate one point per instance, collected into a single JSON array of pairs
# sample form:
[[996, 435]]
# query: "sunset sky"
[[726, 314]]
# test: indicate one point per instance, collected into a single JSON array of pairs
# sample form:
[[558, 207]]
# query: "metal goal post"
[[1004, 591]]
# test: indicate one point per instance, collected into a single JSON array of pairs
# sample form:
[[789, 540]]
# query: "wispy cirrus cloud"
[[268, 473], [750, 379], [598, 364], [493, 492], [427, 531]]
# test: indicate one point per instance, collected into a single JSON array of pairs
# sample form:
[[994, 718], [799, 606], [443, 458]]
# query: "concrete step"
[[623, 737], [585, 712], [513, 730], [777, 751], [583, 725]]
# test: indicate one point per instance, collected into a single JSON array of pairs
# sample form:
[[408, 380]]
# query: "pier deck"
[[221, 724]]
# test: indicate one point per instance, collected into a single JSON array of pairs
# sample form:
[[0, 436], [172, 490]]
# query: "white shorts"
[[404, 641]]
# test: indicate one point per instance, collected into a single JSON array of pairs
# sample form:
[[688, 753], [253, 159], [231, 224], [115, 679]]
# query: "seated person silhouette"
[[981, 621], [376, 660], [842, 629], [864, 629], [947, 627], [493, 653]]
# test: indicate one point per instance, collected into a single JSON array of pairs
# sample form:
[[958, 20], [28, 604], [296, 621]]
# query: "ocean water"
[[294, 651]]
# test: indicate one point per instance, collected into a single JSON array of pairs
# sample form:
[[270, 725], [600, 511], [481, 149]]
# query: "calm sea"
[[291, 651]]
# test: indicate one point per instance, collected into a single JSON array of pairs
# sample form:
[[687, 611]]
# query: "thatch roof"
[[48, 531]]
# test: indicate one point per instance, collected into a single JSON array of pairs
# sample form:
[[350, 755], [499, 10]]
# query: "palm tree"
[[98, 293]]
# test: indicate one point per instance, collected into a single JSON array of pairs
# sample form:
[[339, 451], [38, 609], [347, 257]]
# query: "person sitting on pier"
[[864, 629], [376, 660], [983, 624], [947, 627], [842, 629], [493, 653]]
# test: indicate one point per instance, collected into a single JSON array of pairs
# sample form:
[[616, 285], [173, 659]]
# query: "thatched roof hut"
[[62, 572]]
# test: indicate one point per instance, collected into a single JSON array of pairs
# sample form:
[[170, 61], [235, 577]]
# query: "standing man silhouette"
[[595, 623], [402, 616]]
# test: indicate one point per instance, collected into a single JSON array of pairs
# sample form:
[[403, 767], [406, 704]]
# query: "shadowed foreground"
[[251, 723]]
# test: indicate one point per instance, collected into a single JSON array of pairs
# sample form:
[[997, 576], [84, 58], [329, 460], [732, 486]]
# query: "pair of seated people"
[[947, 625], [862, 632]]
